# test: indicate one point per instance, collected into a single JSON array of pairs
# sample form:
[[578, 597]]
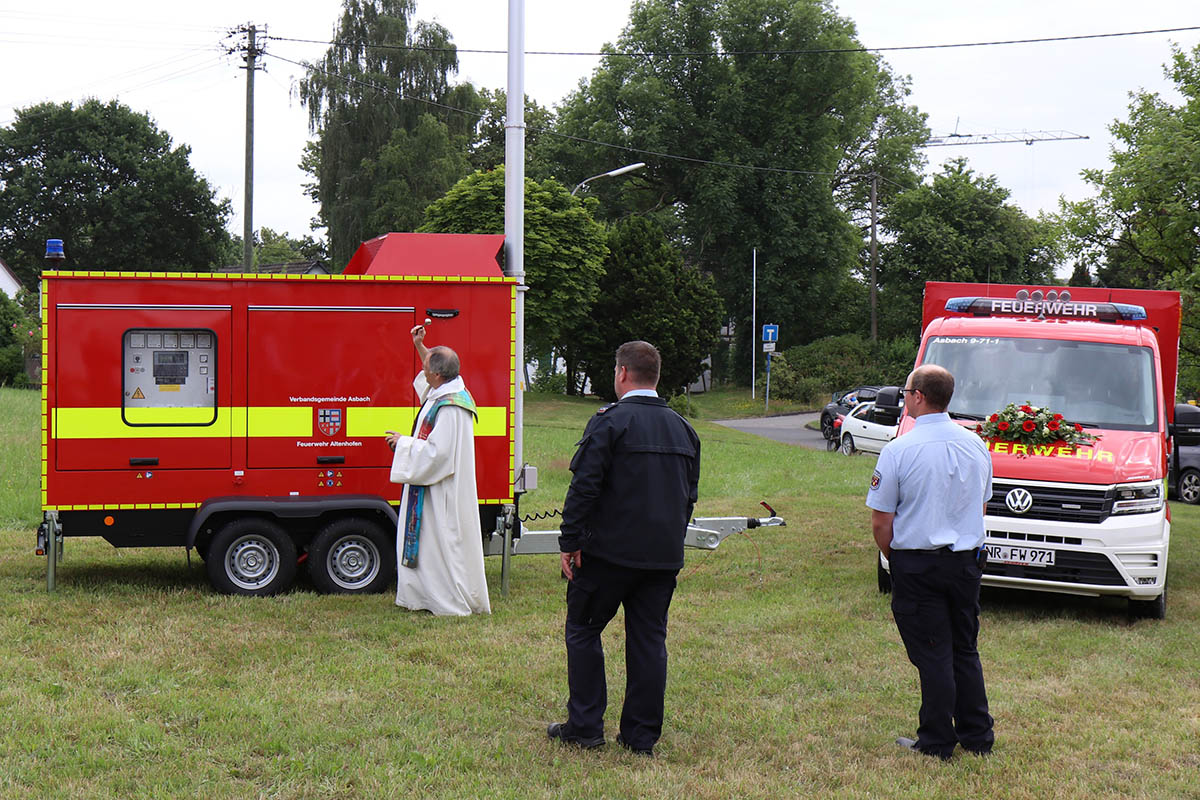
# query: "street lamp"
[[610, 174]]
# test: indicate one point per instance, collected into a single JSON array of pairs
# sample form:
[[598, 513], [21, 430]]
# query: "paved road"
[[789, 429]]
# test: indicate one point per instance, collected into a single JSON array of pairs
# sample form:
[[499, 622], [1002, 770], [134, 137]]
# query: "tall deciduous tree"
[[726, 85], [110, 184], [564, 248], [649, 293], [382, 73], [1142, 228], [957, 227]]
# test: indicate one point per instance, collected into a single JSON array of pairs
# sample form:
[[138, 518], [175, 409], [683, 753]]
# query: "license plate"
[[1025, 556]]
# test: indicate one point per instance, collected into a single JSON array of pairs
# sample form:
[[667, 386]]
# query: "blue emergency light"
[[54, 249]]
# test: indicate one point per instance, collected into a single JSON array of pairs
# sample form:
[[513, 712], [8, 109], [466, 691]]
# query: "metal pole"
[[753, 316], [874, 249], [768, 392], [514, 228], [248, 209]]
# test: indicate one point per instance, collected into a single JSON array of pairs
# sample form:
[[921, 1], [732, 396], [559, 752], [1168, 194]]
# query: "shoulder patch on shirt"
[[875, 479], [602, 409]]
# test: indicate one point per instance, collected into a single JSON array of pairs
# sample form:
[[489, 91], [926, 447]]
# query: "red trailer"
[[243, 415]]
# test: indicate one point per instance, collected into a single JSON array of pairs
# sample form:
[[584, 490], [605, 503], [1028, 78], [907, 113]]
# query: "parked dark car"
[[1183, 480], [843, 402]]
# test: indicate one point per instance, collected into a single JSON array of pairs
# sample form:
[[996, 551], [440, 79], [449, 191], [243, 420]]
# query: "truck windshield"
[[1104, 385]]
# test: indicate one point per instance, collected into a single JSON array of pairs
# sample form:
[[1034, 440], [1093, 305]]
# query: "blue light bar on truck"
[[1052, 305]]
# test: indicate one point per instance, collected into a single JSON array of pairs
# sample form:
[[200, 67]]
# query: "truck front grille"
[[1069, 567], [1055, 503]]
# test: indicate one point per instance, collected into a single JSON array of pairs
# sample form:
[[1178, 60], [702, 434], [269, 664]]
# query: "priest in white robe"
[[439, 545]]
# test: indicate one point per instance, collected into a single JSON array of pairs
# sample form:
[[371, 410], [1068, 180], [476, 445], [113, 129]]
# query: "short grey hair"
[[443, 361]]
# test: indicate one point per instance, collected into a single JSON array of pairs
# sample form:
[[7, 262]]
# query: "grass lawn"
[[787, 677]]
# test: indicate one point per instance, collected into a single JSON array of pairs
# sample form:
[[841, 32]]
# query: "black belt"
[[942, 551]]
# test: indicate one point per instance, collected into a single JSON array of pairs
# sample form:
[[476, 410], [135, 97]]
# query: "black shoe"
[[648, 752], [980, 753], [911, 744], [556, 731]]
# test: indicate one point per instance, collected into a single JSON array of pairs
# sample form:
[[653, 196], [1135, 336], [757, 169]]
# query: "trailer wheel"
[[251, 557], [352, 556]]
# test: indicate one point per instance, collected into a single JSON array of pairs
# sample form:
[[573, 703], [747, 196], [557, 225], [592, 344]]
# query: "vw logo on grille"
[[1018, 500]]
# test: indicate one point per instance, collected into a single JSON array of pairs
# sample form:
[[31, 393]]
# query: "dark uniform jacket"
[[634, 486]]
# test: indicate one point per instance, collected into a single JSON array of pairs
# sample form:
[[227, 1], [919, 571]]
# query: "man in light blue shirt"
[[928, 495]]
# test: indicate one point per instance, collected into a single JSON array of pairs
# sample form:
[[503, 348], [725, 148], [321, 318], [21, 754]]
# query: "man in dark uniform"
[[928, 496], [633, 489]]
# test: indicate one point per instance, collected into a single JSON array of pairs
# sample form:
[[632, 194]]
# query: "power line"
[[1026, 137], [708, 53], [548, 131]]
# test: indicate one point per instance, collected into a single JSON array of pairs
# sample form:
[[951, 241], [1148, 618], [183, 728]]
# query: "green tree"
[[105, 180], [564, 248], [957, 227], [381, 75], [649, 293], [1142, 228], [708, 81], [411, 171], [487, 150]]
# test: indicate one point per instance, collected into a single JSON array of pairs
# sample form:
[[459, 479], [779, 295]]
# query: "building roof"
[[285, 268]]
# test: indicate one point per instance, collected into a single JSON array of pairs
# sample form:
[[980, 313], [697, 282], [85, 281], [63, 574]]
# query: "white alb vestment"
[[448, 579]]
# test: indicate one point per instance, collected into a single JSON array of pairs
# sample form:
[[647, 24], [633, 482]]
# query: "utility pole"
[[252, 52]]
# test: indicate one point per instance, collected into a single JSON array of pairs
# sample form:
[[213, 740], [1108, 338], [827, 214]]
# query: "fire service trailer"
[[243, 415]]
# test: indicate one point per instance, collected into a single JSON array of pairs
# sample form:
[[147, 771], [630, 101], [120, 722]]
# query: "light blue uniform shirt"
[[640, 393], [935, 479]]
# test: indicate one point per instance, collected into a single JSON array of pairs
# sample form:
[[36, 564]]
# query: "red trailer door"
[[326, 382]]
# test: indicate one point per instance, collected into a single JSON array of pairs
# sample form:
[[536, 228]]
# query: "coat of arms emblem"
[[329, 420]]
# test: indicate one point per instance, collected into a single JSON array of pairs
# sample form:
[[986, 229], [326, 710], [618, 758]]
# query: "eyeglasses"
[[908, 391]]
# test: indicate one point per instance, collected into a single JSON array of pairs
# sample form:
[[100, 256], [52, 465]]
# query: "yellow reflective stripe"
[[280, 421], [170, 416], [364, 422], [493, 421], [259, 422], [106, 423]]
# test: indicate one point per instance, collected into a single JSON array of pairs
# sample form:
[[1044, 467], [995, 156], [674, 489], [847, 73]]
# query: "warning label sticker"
[[137, 394]]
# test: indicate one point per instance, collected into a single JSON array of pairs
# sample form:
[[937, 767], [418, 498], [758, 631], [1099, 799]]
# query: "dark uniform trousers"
[[935, 600], [598, 589]]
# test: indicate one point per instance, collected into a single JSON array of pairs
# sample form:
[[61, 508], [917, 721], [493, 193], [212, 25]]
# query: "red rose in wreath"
[[1002, 425], [1058, 417], [1052, 425], [1027, 409], [1028, 425], [993, 417], [1078, 427]]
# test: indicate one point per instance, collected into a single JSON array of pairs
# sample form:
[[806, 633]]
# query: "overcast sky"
[[168, 60]]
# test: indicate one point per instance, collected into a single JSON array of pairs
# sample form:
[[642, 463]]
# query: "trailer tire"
[[251, 556], [352, 556]]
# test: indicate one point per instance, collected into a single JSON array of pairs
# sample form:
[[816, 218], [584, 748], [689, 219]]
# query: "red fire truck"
[[1088, 520], [243, 415]]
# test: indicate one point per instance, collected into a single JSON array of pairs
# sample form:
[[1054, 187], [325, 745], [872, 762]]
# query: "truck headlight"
[[1138, 498]]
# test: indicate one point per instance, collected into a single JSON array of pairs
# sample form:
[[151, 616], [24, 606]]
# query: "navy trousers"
[[935, 601], [593, 597]]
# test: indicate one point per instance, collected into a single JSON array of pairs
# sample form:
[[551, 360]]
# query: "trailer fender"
[[286, 508]]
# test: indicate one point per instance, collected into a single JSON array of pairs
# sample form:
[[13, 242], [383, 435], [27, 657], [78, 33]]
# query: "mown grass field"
[[787, 677]]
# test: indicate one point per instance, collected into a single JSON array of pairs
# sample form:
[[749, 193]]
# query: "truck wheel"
[[352, 556], [251, 557], [847, 444], [882, 575], [1149, 609], [1189, 486]]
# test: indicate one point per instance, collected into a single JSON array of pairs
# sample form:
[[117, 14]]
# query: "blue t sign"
[[770, 333]]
